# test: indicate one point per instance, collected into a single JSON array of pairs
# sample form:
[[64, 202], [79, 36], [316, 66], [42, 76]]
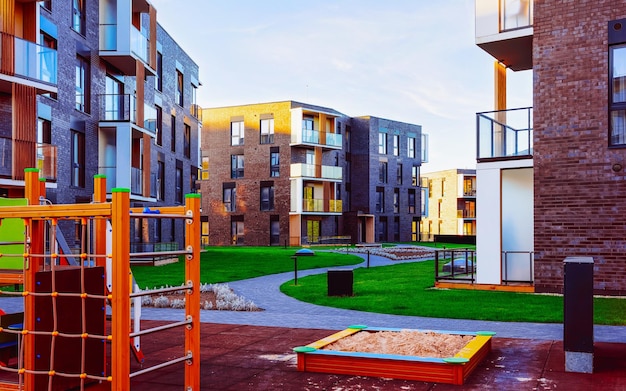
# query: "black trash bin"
[[340, 282]]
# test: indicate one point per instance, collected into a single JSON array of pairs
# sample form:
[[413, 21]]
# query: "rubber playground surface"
[[239, 357]]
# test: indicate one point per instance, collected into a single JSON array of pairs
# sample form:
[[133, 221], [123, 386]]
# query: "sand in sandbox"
[[405, 342]]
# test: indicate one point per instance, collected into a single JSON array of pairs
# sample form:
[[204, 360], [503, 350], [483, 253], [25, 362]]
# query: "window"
[[411, 147], [187, 146], [396, 144], [411, 201], [173, 134], [267, 196], [78, 16], [515, 14], [617, 58], [229, 197], [205, 168], [114, 99], [179, 88], [382, 229], [44, 131], [274, 230], [236, 133], [237, 229], [274, 163], [396, 200], [236, 166], [159, 71], [267, 131], [159, 125], [399, 174], [160, 185], [195, 109], [382, 172], [82, 84], [308, 133], [414, 225], [380, 200], [382, 143], [47, 4], [194, 186], [396, 229], [415, 176], [78, 159], [443, 187], [179, 182]]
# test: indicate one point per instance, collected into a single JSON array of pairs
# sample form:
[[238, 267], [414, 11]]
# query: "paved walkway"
[[283, 311]]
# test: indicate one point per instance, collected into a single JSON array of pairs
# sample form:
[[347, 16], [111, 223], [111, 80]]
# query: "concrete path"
[[283, 311]]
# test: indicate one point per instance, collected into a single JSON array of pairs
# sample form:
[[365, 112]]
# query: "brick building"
[[97, 87], [562, 168], [289, 172], [451, 203]]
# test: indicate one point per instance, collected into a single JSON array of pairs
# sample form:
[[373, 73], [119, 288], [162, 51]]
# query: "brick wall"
[[580, 203]]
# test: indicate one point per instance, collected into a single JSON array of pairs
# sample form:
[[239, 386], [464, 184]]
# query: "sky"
[[412, 61]]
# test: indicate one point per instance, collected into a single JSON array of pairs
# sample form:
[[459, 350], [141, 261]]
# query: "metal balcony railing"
[[118, 108], [505, 133], [30, 60]]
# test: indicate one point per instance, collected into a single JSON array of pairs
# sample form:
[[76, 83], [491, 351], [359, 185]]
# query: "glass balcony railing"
[[45, 159], [34, 61], [149, 117], [196, 112], [118, 108], [139, 44], [299, 170], [310, 136], [335, 206], [317, 205], [505, 133], [136, 181], [108, 37]]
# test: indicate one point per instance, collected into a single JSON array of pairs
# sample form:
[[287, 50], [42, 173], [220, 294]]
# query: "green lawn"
[[407, 289], [224, 264]]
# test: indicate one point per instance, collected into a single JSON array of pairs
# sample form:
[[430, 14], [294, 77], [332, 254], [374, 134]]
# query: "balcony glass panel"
[[111, 173], [35, 61], [136, 181], [505, 133], [335, 206], [139, 44], [310, 136], [334, 140], [331, 172], [149, 117], [515, 14], [108, 37], [47, 161], [118, 107], [308, 170], [312, 205]]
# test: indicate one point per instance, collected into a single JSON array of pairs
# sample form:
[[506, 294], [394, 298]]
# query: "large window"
[[516, 13], [396, 200], [396, 144], [236, 166], [78, 159], [160, 185], [274, 163], [411, 147], [78, 16], [411, 201], [617, 59], [382, 172], [267, 131], [382, 143], [236, 133], [380, 200], [415, 176], [237, 229], [399, 173], [179, 88], [229, 197], [173, 134], [159, 125], [82, 84], [159, 71], [179, 182], [274, 230], [187, 146], [267, 196]]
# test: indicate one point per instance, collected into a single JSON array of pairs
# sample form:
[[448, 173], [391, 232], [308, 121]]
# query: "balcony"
[[301, 170], [45, 159], [504, 29], [317, 205], [466, 214], [30, 61], [136, 179], [121, 43], [505, 134], [123, 108], [314, 137]]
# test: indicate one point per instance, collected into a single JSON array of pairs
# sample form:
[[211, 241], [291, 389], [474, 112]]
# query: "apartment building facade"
[[556, 170], [291, 173], [97, 87], [451, 203]]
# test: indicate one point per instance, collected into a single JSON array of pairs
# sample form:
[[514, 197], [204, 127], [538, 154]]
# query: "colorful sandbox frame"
[[451, 370]]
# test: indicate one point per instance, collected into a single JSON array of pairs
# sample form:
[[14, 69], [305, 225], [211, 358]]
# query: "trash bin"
[[578, 314], [340, 282]]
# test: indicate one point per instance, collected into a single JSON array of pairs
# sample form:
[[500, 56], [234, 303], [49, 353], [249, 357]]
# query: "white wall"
[[487, 223], [517, 222]]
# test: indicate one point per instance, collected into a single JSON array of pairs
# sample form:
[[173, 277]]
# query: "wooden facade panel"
[[24, 128]]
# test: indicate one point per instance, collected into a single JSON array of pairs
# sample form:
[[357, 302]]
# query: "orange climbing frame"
[[119, 212]]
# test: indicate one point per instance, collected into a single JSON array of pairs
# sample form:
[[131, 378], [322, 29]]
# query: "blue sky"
[[408, 60]]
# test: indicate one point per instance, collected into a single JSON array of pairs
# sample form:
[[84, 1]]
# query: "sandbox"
[[316, 357]]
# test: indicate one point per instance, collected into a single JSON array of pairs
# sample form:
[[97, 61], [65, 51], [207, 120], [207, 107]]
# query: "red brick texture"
[[580, 203]]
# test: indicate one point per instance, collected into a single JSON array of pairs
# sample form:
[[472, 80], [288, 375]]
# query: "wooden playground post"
[[120, 303], [192, 274], [35, 228], [100, 225]]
